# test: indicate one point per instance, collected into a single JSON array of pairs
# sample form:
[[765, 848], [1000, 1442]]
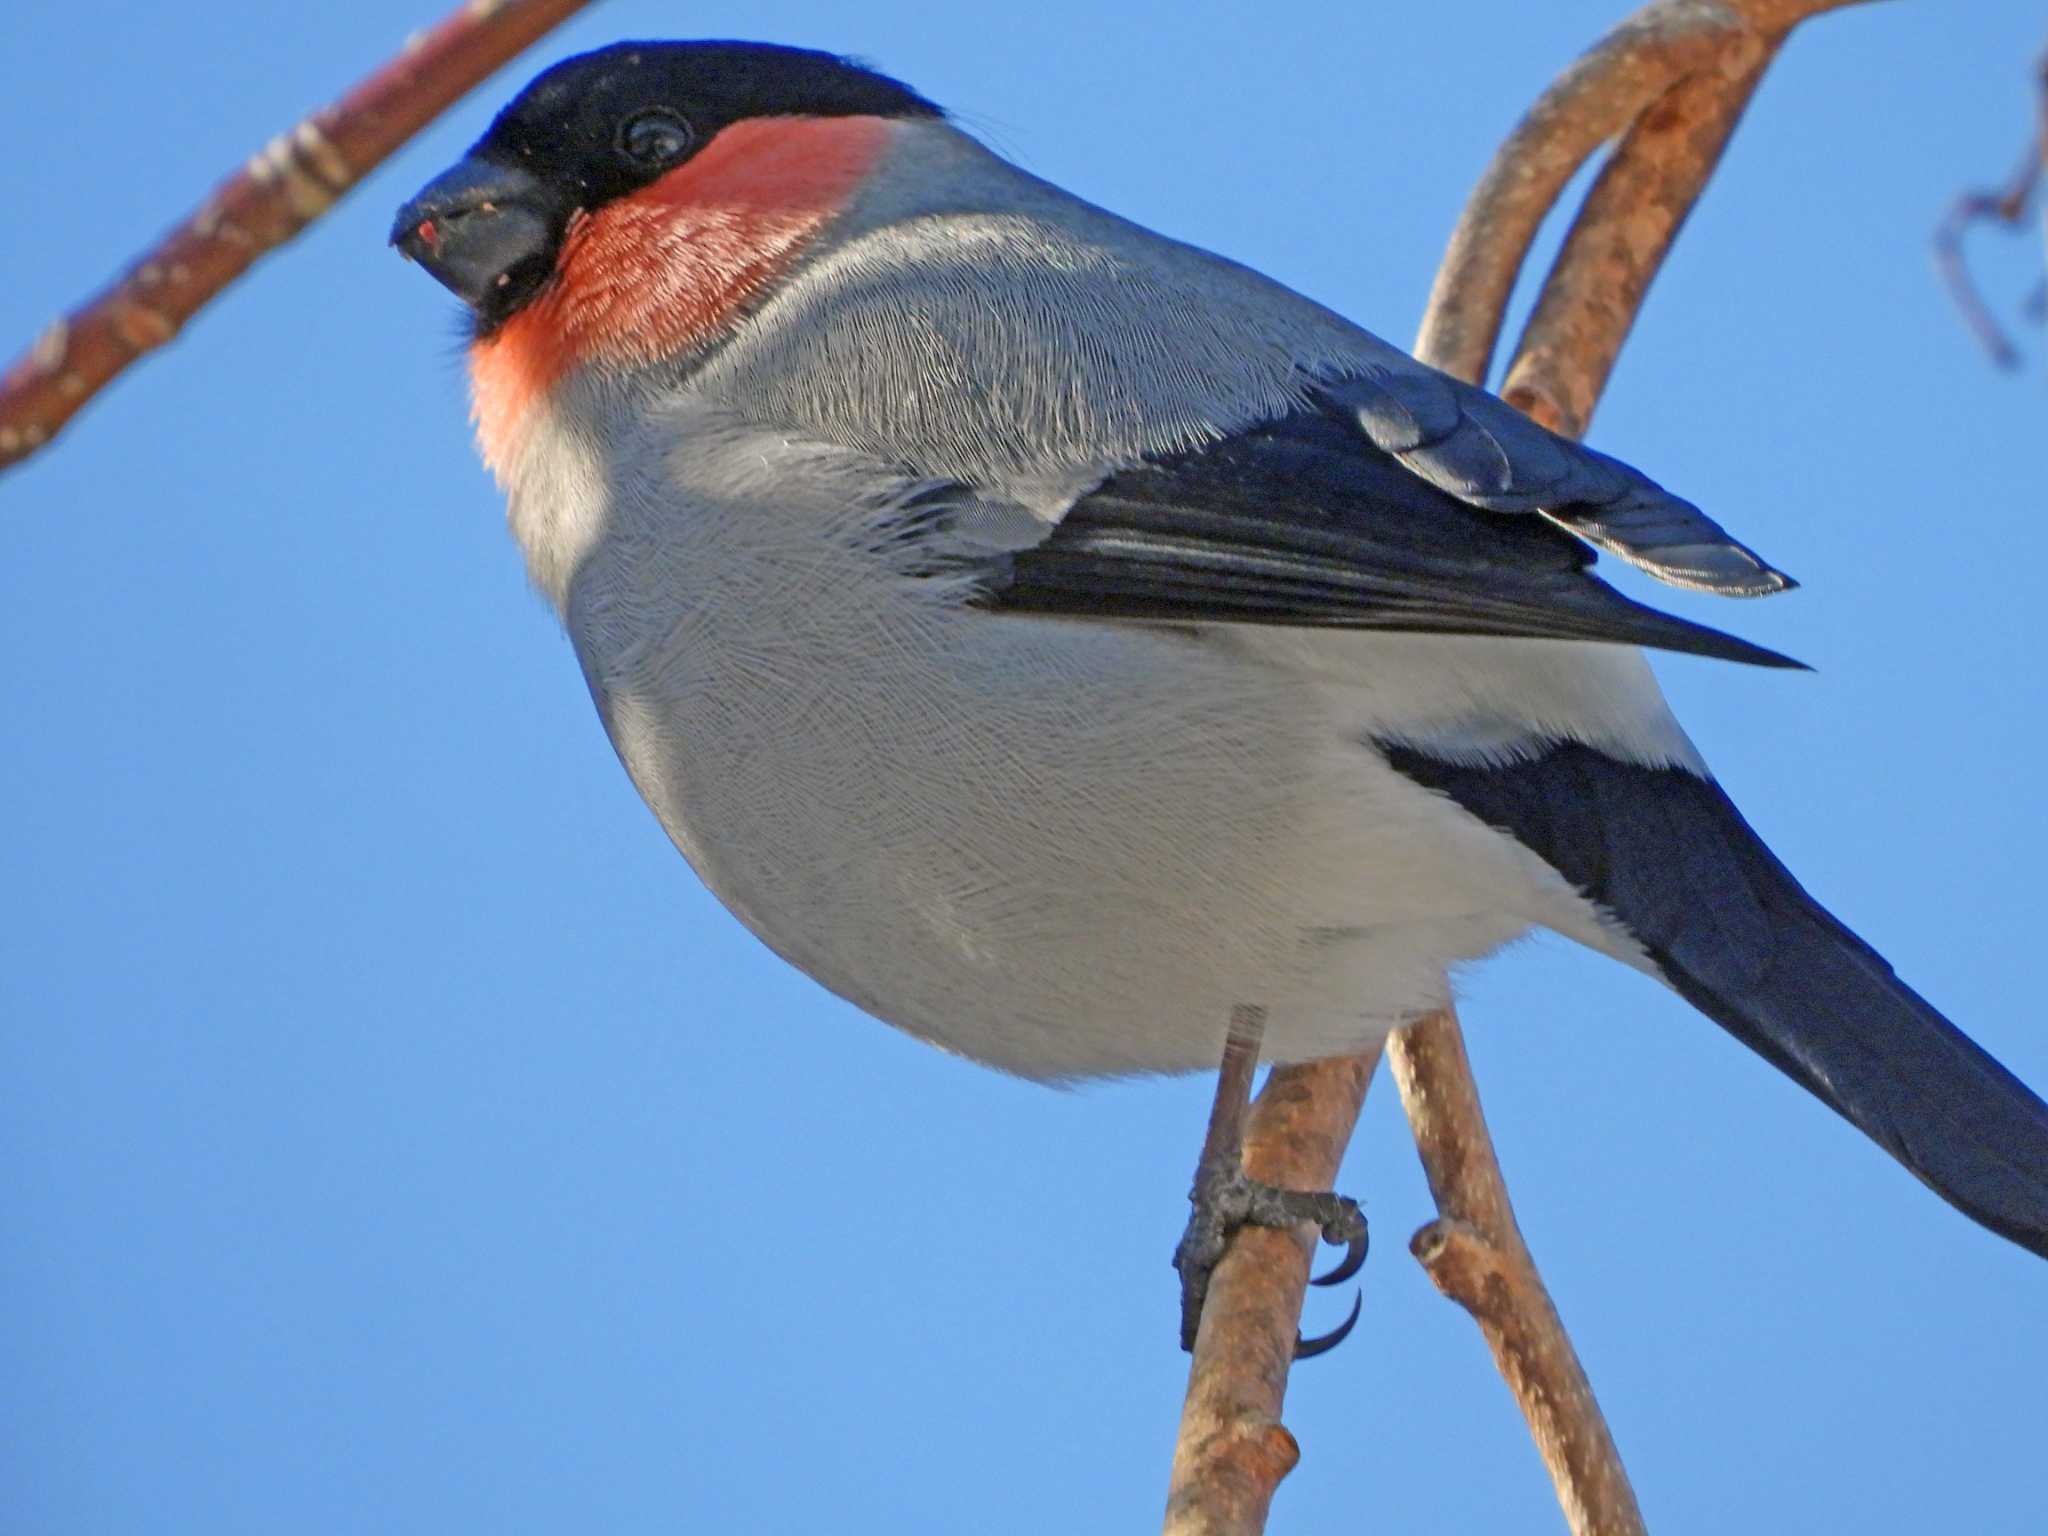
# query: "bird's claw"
[[1223, 1205], [1308, 1349], [1348, 1230]]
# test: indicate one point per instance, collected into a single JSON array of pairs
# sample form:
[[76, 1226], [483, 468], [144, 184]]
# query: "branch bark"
[[1232, 1450], [288, 184], [1724, 44], [1623, 232], [1475, 1254], [1593, 101]]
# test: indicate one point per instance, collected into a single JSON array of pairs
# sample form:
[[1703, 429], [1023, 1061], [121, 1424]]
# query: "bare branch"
[[1953, 267], [1475, 1254], [1592, 102], [1623, 232], [1232, 1450], [2008, 206], [294, 179]]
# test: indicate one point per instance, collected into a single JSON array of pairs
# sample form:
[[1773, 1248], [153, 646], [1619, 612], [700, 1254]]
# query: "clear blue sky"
[[395, 1137]]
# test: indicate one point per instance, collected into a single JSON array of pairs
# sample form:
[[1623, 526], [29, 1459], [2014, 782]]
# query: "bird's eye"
[[655, 138]]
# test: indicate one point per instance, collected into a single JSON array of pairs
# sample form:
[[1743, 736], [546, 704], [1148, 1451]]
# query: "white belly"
[[1058, 847]]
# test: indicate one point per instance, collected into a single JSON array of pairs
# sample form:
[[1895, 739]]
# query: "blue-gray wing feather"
[[1483, 451]]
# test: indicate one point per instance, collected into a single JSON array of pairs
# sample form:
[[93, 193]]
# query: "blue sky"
[[394, 1136]]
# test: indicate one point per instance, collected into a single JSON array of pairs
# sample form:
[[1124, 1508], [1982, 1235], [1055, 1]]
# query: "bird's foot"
[[1224, 1199]]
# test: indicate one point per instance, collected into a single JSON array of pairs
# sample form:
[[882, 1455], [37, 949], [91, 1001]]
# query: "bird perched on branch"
[[1058, 640]]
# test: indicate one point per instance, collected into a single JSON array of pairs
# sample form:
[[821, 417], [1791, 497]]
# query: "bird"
[[1090, 656]]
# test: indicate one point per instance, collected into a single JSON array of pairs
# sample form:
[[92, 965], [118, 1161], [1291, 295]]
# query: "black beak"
[[488, 233]]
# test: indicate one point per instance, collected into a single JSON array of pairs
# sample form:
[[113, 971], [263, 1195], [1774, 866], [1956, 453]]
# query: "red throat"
[[654, 274]]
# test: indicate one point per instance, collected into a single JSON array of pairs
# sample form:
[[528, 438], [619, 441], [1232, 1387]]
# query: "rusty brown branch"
[[289, 183], [1595, 99], [1232, 1450], [1592, 102], [1623, 232], [2008, 206], [1475, 1254]]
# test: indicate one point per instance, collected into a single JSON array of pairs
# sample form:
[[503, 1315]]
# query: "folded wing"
[[1306, 521], [1483, 451]]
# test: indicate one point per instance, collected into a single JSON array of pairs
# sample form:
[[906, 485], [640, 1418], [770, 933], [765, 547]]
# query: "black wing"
[[1306, 522]]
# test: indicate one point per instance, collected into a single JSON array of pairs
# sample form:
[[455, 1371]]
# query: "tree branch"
[[289, 183], [1623, 232], [1629, 220], [1590, 103], [2008, 206], [1475, 1253], [1613, 85], [1232, 1449]]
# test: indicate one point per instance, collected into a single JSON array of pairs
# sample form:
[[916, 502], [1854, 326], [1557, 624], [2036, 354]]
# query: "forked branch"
[[1475, 1253]]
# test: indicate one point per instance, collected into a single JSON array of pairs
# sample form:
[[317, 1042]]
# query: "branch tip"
[[283, 187]]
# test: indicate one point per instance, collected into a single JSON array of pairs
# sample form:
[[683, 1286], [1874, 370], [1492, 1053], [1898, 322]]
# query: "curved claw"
[[1308, 1349], [1356, 1243]]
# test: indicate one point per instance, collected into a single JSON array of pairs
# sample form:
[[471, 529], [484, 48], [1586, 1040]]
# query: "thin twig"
[[1475, 1253], [1233, 1450], [2008, 206], [1953, 267], [294, 179]]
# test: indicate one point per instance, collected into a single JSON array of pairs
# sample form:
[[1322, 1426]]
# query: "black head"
[[601, 126]]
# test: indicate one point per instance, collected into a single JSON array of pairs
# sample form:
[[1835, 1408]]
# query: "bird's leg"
[[1224, 1199]]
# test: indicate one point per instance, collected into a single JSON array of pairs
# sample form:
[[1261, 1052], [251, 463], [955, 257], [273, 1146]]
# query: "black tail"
[[1666, 853]]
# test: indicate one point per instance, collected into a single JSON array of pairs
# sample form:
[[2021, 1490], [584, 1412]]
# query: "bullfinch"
[[1061, 642]]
